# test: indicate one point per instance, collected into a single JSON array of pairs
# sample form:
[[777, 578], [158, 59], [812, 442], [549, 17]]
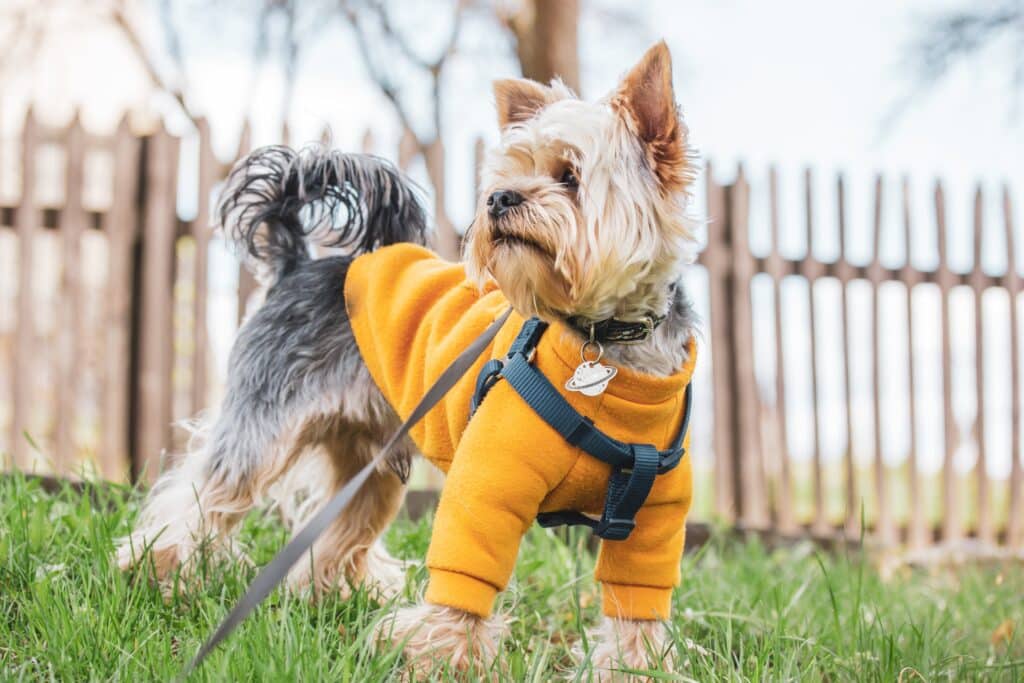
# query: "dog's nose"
[[499, 203]]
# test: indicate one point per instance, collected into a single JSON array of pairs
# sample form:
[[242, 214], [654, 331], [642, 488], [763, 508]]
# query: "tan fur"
[[519, 99], [341, 557], [610, 247], [619, 644], [188, 511], [434, 638], [647, 99]]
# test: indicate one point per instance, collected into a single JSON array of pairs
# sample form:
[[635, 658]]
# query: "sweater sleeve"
[[638, 574], [491, 496]]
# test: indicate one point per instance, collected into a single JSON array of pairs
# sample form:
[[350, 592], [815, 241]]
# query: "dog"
[[583, 225]]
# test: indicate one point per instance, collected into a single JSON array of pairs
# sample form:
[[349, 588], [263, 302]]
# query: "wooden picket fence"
[[97, 370], [133, 329], [749, 425]]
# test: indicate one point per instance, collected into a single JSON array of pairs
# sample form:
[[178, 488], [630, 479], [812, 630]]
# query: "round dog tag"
[[591, 378]]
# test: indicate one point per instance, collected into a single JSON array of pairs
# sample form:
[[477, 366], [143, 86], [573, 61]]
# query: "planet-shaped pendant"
[[591, 378]]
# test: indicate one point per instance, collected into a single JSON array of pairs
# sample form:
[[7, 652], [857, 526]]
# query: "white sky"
[[792, 82]]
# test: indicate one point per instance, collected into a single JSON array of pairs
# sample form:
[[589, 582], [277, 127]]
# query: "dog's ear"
[[647, 100], [519, 99]]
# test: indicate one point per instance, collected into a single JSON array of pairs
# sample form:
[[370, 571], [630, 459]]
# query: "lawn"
[[743, 612]]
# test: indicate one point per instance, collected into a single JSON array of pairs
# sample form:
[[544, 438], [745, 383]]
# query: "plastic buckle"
[[528, 356], [615, 529]]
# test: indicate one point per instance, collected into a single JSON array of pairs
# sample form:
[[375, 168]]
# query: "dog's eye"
[[569, 179]]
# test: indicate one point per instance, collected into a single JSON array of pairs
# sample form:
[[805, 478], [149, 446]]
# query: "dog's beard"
[[523, 261]]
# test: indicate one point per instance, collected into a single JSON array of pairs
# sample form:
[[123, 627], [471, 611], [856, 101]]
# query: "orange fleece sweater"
[[412, 313]]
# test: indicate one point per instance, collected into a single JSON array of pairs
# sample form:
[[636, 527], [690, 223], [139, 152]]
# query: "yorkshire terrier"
[[582, 224]]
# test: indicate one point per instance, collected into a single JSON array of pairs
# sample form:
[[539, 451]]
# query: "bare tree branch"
[[128, 30], [949, 38]]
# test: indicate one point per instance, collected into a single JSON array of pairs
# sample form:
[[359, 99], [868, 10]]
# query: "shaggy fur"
[[601, 232]]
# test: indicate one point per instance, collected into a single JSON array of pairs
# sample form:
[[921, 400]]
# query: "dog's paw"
[[373, 569], [623, 647], [435, 638], [385, 575]]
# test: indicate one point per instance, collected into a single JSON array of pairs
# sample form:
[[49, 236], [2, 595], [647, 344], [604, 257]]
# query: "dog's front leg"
[[490, 498], [637, 576]]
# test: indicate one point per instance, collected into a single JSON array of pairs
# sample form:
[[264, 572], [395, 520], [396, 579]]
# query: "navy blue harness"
[[634, 465]]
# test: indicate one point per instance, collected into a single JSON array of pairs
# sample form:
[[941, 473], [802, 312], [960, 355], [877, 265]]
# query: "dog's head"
[[583, 204]]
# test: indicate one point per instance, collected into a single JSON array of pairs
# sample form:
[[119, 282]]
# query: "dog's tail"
[[279, 200]]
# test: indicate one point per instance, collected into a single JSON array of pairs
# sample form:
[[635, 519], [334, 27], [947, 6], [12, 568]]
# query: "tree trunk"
[[546, 40], [446, 240]]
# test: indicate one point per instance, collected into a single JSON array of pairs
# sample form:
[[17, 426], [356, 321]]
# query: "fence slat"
[[946, 280], [26, 220], [72, 334], [122, 232], [155, 331], [884, 526], [208, 167], [812, 271], [985, 529], [754, 510], [917, 535], [479, 157], [247, 284], [851, 525], [1015, 523], [718, 261], [785, 518]]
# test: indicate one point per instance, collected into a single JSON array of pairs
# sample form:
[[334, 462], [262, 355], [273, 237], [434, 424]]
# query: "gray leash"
[[271, 575]]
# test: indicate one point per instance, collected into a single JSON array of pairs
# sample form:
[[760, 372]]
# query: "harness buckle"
[[613, 529], [530, 353]]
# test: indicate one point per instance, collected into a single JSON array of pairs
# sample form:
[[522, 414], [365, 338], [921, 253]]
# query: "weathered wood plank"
[[122, 233], [247, 284], [884, 528], [26, 221], [201, 231], [784, 516], [153, 427], [71, 330], [810, 266], [951, 525], [985, 529], [851, 524], [719, 264], [754, 512], [917, 533], [1015, 521], [479, 157]]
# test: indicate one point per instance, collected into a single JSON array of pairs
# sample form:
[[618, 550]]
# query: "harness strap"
[[634, 466]]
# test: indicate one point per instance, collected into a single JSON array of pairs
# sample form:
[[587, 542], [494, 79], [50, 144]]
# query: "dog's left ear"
[[648, 101], [520, 99]]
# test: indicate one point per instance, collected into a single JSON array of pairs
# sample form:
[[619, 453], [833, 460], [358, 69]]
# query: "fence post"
[[247, 284], [153, 296], [122, 234], [26, 223], [208, 167], [72, 333], [719, 263], [747, 461]]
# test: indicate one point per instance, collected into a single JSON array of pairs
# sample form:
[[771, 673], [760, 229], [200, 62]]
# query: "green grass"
[[66, 614]]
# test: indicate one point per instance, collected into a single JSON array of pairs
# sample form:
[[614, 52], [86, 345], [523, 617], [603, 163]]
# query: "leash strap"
[[272, 574], [634, 466]]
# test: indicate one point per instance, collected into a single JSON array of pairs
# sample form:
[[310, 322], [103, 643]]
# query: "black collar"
[[612, 331]]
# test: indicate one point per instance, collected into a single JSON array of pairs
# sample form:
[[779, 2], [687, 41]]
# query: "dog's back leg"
[[200, 502], [350, 552]]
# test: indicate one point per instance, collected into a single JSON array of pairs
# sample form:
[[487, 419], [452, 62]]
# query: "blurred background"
[[858, 274]]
